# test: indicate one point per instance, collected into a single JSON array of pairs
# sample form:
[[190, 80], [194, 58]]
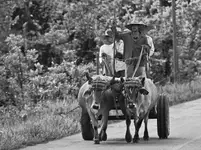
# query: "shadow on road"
[[152, 141]]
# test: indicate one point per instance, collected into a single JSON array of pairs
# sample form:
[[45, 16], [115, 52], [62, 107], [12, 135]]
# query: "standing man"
[[149, 38], [133, 43], [119, 63], [152, 49]]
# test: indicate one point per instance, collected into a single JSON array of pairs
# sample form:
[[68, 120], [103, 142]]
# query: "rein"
[[138, 63]]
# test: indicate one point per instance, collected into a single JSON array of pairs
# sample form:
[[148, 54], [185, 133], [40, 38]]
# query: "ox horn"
[[88, 77], [112, 81], [142, 80]]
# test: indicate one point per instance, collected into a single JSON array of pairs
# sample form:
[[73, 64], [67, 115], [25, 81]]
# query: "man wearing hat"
[[134, 42], [106, 55]]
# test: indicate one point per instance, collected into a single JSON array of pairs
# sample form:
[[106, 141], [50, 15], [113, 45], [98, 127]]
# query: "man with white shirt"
[[106, 57]]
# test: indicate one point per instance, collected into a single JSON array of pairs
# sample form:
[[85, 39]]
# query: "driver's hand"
[[146, 49], [145, 46], [104, 55]]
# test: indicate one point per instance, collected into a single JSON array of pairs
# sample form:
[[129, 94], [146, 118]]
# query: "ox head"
[[96, 91], [134, 88]]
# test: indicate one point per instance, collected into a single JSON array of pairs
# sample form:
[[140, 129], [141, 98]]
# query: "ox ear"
[[88, 77], [143, 91]]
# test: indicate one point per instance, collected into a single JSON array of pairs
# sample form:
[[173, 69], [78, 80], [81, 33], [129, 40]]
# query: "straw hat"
[[141, 25]]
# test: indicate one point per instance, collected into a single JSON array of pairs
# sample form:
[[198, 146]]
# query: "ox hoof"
[[96, 141], [103, 136], [128, 137], [146, 138], [136, 139]]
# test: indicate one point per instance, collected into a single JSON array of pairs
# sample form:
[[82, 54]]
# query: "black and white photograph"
[[100, 74]]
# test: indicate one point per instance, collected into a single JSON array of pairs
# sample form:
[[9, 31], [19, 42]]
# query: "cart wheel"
[[163, 117], [86, 127]]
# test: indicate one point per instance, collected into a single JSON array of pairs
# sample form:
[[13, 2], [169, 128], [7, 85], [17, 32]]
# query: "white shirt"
[[151, 44], [108, 49]]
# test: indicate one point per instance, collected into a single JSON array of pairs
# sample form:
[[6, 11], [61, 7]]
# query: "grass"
[[52, 120], [179, 93], [47, 124]]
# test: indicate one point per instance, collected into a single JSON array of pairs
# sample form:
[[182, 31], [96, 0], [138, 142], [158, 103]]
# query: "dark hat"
[[108, 33]]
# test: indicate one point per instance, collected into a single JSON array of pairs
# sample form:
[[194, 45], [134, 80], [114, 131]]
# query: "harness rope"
[[138, 62]]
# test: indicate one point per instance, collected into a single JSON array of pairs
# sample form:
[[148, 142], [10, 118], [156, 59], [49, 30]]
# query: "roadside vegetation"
[[47, 121], [46, 46]]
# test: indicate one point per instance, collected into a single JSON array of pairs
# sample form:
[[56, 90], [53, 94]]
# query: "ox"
[[96, 98], [141, 96]]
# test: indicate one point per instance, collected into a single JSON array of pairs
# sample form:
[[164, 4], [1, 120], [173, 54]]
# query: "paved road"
[[185, 134]]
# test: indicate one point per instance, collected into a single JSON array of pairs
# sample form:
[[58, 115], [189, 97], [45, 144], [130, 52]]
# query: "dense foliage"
[[46, 43]]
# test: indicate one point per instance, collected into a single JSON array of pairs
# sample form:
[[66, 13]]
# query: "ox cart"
[[160, 112], [162, 116]]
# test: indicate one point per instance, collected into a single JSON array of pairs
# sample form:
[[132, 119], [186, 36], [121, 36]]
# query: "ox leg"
[[95, 127], [103, 134], [146, 134], [137, 128], [128, 136]]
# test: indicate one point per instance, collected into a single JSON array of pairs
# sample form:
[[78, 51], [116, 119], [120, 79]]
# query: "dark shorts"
[[134, 61]]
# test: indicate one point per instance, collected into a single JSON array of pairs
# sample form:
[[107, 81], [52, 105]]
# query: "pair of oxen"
[[135, 97]]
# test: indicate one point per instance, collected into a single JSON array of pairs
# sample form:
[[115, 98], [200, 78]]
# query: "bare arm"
[[118, 35], [151, 44]]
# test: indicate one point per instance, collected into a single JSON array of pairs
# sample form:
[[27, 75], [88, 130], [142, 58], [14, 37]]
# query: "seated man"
[[151, 44]]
